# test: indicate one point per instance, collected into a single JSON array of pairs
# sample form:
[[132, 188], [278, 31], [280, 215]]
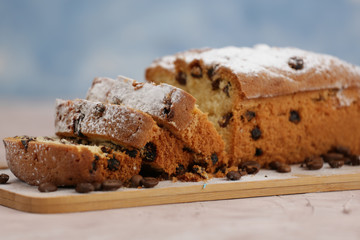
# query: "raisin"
[[250, 115], [99, 109], [226, 89], [189, 150], [296, 63], [105, 149], [149, 152], [4, 178], [233, 175], [135, 181], [94, 164], [77, 125], [25, 142], [255, 133], [332, 156], [180, 170], [294, 117], [314, 163], [196, 70], [225, 120], [131, 153], [251, 167], [111, 185], [47, 187], [84, 188], [113, 164], [215, 85], [283, 168], [258, 152], [214, 158], [336, 163], [167, 111], [210, 72], [149, 182], [181, 78]]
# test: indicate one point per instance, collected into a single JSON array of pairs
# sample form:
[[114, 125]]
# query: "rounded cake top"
[[264, 71]]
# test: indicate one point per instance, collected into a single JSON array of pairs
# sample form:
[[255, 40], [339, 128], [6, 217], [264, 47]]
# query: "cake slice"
[[173, 109], [270, 103], [129, 129], [67, 162]]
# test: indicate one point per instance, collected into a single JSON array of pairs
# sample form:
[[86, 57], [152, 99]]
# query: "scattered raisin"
[[294, 116], [135, 181], [225, 120], [94, 164], [274, 165], [355, 160], [214, 158], [336, 163], [113, 164], [105, 149], [233, 175], [258, 152], [4, 178], [296, 63], [283, 168], [111, 185], [196, 70], [84, 188], [251, 167], [149, 152], [131, 153], [181, 78], [47, 187], [314, 163], [149, 182], [168, 111], [255, 133]]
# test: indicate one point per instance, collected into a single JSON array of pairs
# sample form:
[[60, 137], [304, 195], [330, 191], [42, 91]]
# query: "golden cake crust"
[[268, 103], [62, 163]]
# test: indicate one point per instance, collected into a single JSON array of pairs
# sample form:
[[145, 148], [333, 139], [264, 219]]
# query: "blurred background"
[[54, 49]]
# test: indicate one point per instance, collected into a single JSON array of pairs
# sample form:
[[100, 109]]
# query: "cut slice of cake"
[[129, 129], [270, 103], [173, 109], [67, 162]]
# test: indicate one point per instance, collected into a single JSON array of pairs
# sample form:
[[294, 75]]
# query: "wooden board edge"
[[147, 197]]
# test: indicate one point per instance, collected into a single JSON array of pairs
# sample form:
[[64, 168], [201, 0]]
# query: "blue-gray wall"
[[52, 49]]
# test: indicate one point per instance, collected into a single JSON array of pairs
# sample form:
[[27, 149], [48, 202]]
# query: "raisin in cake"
[[67, 162], [270, 103], [129, 129], [173, 109]]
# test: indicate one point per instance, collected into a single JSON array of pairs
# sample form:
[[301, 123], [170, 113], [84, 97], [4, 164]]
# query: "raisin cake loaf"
[[173, 109], [67, 162], [270, 103], [129, 129]]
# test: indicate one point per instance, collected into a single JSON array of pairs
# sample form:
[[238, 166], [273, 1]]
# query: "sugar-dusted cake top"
[[265, 71], [167, 104]]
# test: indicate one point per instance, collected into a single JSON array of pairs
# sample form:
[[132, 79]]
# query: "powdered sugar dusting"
[[118, 123], [273, 62], [146, 97]]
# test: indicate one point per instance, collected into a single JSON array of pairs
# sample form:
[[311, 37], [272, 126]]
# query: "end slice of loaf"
[[65, 162], [270, 103], [172, 108]]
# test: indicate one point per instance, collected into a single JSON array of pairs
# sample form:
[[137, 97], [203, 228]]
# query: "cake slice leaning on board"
[[173, 109], [269, 103], [133, 131]]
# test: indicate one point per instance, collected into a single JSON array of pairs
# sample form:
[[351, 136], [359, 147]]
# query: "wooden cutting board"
[[21, 196]]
